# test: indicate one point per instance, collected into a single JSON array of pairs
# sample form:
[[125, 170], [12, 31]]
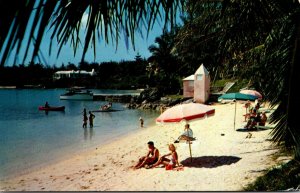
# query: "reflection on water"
[[88, 133], [91, 133]]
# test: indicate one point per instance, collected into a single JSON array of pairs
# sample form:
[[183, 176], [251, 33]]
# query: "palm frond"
[[106, 20]]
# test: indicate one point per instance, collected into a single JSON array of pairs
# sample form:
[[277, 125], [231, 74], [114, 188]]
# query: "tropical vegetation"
[[255, 40]]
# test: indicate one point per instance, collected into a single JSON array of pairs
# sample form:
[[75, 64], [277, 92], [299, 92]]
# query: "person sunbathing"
[[253, 120], [169, 163], [263, 119], [187, 135], [106, 107], [151, 157]]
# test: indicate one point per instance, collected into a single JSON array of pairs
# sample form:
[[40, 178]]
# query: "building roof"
[[76, 72], [202, 70], [191, 77]]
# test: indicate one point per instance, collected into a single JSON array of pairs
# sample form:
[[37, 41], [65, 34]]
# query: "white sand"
[[220, 163]]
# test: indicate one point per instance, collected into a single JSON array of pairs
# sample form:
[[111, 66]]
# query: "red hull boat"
[[42, 108]]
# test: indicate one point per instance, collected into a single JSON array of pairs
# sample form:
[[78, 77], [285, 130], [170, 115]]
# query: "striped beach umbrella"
[[252, 92], [185, 112]]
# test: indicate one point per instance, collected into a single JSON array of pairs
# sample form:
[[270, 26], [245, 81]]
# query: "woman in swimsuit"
[[173, 161]]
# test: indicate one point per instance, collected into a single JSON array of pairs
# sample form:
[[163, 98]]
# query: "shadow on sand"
[[210, 161], [251, 130]]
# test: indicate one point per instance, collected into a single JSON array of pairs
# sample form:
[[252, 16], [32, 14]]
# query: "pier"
[[122, 98]]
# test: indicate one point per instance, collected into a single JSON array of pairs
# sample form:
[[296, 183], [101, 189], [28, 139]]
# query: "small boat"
[[77, 94], [60, 108]]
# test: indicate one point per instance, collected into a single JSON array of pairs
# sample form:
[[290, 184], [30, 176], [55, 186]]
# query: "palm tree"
[[107, 19], [163, 64], [162, 52]]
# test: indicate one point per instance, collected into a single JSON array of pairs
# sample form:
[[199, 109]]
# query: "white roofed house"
[[73, 74]]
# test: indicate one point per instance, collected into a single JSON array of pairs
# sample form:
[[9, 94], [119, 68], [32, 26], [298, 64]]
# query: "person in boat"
[[151, 157], [107, 106], [47, 105], [186, 135], [91, 119]]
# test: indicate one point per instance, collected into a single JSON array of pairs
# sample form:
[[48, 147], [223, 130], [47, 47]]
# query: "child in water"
[[141, 122]]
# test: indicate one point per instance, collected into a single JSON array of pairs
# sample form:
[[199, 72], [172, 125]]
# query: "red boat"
[[42, 108]]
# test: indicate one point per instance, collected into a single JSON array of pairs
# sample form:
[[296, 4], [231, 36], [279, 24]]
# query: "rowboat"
[[60, 108]]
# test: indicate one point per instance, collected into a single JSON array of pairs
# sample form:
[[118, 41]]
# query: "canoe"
[[60, 108], [108, 110]]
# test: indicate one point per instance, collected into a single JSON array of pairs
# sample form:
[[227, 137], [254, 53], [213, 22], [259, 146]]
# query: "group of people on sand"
[[152, 159], [254, 117], [169, 160], [86, 118]]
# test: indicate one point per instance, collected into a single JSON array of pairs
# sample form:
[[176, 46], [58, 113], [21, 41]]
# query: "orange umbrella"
[[185, 112], [252, 92]]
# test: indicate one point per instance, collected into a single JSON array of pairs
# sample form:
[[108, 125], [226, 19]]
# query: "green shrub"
[[282, 177]]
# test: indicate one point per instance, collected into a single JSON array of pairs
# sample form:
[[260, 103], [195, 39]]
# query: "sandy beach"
[[223, 160]]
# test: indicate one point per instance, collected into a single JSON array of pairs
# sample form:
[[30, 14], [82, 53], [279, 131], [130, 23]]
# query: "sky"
[[104, 52]]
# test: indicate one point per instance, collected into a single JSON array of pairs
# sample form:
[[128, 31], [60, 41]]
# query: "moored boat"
[[60, 108], [77, 94]]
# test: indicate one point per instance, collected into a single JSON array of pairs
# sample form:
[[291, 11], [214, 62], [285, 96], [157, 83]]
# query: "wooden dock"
[[122, 98]]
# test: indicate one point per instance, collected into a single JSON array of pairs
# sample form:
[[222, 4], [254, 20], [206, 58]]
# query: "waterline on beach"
[[31, 139]]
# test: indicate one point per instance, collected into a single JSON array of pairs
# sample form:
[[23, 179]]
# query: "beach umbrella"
[[186, 112], [252, 92], [237, 96]]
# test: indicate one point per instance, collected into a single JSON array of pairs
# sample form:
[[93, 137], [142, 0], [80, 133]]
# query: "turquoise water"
[[30, 138]]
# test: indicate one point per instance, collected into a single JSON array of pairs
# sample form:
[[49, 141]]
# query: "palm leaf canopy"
[[63, 18]]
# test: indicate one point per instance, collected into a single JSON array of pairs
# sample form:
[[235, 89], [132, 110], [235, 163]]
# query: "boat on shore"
[[43, 108], [77, 94]]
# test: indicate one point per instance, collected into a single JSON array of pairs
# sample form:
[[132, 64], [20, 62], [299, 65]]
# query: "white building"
[[73, 74]]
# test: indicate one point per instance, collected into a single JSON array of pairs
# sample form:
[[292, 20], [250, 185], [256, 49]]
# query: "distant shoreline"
[[8, 87]]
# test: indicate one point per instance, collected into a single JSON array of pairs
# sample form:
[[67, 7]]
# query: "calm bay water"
[[30, 138]]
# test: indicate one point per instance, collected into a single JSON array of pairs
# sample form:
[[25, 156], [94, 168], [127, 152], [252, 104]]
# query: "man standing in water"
[[91, 119], [85, 118]]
